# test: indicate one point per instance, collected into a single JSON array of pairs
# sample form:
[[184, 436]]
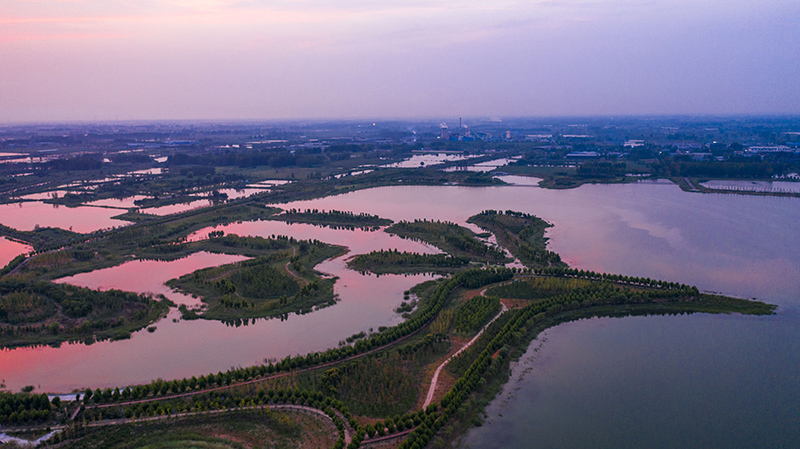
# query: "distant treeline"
[[272, 157], [376, 260], [83, 162], [318, 216], [718, 169], [602, 169], [449, 237]]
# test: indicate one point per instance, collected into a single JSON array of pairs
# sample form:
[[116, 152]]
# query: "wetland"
[[347, 301]]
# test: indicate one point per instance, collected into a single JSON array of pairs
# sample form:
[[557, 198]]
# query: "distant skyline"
[[322, 59]]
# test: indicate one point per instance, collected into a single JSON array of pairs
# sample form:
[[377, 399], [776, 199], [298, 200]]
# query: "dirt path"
[[348, 430], [435, 379], [688, 182]]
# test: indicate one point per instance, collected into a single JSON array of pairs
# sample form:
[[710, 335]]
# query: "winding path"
[[348, 430], [435, 378]]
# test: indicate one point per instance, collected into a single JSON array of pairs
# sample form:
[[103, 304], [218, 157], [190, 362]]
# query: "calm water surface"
[[186, 348], [10, 249], [754, 186], [27, 215], [684, 381]]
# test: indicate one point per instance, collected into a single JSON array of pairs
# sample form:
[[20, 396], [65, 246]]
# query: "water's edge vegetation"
[[370, 389]]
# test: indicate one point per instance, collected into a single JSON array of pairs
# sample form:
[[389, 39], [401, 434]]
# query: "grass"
[[333, 218], [273, 284], [565, 177], [383, 262], [233, 430], [522, 234], [41, 313], [451, 238]]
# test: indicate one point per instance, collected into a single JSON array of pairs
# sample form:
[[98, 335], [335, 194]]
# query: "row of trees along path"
[[435, 378]]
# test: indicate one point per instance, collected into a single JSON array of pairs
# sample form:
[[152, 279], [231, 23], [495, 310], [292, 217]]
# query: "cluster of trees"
[[429, 344], [261, 280], [597, 293], [231, 400], [31, 301], [539, 287], [603, 169], [529, 255], [257, 243], [370, 386], [448, 236], [718, 169], [224, 400], [633, 280], [175, 228], [479, 278], [233, 302], [83, 162], [272, 157], [472, 278], [521, 233], [474, 313], [333, 216], [22, 408], [13, 264], [196, 170], [395, 258]]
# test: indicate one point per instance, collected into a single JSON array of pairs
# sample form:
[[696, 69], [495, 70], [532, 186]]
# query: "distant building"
[[770, 149], [583, 155], [538, 137], [633, 143]]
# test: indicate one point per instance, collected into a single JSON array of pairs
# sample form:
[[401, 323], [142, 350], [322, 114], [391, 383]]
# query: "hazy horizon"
[[227, 60]]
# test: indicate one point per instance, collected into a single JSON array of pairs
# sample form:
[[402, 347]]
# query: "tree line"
[[394, 258], [522, 234], [449, 237]]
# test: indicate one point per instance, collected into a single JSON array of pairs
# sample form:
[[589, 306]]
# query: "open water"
[[678, 381]]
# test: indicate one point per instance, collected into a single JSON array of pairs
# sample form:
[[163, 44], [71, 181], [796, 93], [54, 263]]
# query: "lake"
[[685, 381], [180, 349], [10, 249]]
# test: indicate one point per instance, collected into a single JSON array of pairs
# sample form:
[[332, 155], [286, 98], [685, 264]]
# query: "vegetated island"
[[334, 219], [461, 246], [44, 313], [394, 261], [451, 238], [279, 279], [34, 311], [374, 389], [522, 234], [380, 386]]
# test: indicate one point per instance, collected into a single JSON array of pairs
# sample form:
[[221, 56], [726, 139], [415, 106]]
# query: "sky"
[[63, 60]]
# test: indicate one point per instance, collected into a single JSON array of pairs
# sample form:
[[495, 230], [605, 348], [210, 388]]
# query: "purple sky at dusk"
[[219, 59]]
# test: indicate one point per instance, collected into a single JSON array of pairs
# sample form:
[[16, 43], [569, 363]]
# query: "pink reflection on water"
[[175, 208], [186, 348], [126, 202], [150, 276], [359, 241], [10, 249], [26, 216]]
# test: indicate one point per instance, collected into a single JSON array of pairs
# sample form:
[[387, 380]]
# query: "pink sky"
[[217, 59]]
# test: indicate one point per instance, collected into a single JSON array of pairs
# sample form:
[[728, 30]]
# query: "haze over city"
[[153, 60]]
